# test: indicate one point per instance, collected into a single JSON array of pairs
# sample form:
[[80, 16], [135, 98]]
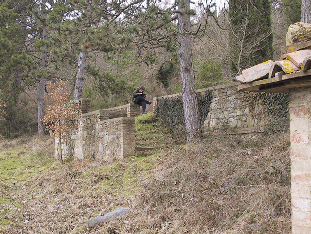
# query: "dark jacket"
[[138, 96]]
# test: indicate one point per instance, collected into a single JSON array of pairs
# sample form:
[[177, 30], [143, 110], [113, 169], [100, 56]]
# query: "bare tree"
[[251, 34], [60, 117], [41, 87]]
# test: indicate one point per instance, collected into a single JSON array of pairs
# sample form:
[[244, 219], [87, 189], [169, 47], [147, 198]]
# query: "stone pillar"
[[133, 110], [300, 137], [85, 105], [115, 138], [128, 137]]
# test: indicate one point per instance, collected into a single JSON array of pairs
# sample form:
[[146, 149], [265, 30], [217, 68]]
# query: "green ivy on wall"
[[277, 106], [170, 110]]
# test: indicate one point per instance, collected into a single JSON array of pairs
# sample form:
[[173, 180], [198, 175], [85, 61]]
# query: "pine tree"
[[292, 10], [154, 29], [251, 35], [190, 102], [96, 26], [16, 68]]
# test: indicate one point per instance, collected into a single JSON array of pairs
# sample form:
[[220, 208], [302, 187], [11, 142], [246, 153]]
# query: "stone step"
[[147, 121], [143, 148]]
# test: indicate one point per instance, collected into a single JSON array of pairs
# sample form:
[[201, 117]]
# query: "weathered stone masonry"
[[109, 134], [105, 134], [230, 110], [235, 112]]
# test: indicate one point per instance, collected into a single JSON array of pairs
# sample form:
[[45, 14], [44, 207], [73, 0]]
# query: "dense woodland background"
[[105, 49]]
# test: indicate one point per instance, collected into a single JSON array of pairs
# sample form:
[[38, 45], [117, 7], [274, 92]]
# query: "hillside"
[[224, 184]]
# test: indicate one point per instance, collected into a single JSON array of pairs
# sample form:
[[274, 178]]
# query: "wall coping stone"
[[224, 86], [115, 112]]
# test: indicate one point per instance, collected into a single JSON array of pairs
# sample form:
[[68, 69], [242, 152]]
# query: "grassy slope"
[[225, 184]]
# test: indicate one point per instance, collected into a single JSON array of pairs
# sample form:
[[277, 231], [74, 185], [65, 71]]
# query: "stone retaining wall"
[[105, 134], [236, 112], [110, 133], [228, 109]]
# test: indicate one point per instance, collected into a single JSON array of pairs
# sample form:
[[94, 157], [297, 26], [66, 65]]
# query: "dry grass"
[[224, 184]]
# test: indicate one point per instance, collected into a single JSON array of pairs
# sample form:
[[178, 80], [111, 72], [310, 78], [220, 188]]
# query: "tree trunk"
[[189, 98], [80, 76], [59, 144], [41, 89], [306, 11]]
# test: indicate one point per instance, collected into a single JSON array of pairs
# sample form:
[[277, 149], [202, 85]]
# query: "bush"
[[165, 73], [209, 73]]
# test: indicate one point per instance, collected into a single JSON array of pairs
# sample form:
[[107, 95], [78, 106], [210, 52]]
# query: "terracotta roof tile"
[[297, 57], [292, 62], [260, 71], [284, 65], [306, 64]]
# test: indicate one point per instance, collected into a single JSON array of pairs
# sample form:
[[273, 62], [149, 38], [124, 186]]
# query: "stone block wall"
[[115, 138], [235, 112], [105, 134], [84, 139], [300, 137], [228, 109]]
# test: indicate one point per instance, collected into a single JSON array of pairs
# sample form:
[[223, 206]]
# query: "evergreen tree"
[[15, 67], [189, 97], [94, 27], [292, 10], [154, 29], [251, 36]]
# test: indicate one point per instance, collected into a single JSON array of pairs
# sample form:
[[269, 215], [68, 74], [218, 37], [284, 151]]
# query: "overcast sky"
[[219, 3]]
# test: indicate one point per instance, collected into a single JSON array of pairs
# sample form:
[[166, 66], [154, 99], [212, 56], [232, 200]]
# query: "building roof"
[[293, 70]]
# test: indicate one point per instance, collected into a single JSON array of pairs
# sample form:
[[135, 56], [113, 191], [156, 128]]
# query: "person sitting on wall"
[[139, 97]]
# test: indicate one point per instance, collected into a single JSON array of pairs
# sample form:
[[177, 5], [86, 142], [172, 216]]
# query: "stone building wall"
[[300, 137]]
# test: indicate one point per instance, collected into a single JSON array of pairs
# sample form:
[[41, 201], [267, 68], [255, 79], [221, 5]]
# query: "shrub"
[[209, 73]]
